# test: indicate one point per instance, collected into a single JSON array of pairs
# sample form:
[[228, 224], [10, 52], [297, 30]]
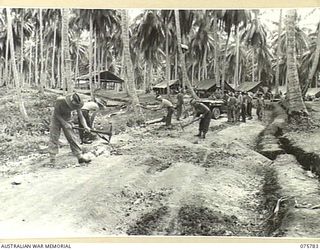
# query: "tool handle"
[[94, 131]]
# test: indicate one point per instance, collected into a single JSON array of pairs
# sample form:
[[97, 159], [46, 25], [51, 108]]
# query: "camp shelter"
[[205, 88], [313, 92], [229, 87], [253, 87], [108, 81], [161, 88]]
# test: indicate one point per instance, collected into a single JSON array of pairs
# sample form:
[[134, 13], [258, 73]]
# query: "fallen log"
[[158, 120]]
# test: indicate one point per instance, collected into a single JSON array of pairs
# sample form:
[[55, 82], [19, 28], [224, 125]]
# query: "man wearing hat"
[[260, 106], [249, 105], [165, 104], [205, 117], [61, 120], [244, 104], [86, 110], [179, 105]]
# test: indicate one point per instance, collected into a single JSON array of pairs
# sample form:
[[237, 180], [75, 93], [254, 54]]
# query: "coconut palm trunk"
[[53, 53], [176, 66], [42, 77], [95, 67], [167, 59], [277, 84], [65, 45], [91, 57], [149, 74], [22, 47], [185, 80], [144, 84], [59, 84], [30, 66], [36, 66], [253, 67], [216, 50], [236, 79], [6, 70], [76, 71], [14, 66], [204, 64], [62, 69], [314, 65], [295, 101], [128, 65], [224, 64]]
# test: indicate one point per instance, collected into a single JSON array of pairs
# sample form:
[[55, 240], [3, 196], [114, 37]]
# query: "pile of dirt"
[[149, 222], [219, 156], [196, 221]]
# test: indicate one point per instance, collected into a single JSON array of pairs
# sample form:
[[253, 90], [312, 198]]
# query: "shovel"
[[100, 133], [189, 123]]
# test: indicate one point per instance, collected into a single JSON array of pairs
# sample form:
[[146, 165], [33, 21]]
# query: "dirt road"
[[152, 182]]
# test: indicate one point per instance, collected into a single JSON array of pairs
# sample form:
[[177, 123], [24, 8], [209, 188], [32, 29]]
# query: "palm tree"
[[295, 101], [277, 84], [150, 36], [185, 79], [128, 65], [255, 36], [42, 73], [66, 71], [53, 36], [230, 19], [315, 62], [14, 66]]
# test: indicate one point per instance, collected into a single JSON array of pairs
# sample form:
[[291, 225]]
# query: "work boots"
[[199, 134]]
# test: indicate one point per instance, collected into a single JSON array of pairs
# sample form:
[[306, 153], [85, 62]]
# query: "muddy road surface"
[[150, 181]]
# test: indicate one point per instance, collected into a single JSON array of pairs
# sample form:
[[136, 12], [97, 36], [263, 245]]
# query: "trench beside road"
[[293, 182]]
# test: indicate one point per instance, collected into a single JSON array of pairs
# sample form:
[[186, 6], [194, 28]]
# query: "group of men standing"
[[240, 105]]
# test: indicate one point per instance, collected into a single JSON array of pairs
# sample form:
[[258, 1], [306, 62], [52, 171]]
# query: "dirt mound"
[[156, 164], [193, 220], [148, 222], [219, 155]]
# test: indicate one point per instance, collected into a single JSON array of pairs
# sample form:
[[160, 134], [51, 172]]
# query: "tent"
[[250, 87], [229, 87], [161, 88], [108, 80], [205, 88]]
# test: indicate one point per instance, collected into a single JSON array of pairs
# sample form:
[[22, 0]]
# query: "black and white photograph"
[[160, 122]]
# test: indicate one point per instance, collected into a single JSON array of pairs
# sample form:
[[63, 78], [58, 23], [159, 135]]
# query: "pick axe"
[[100, 133], [189, 123]]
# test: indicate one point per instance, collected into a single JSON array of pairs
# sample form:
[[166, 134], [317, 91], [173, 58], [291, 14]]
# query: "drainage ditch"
[[272, 143]]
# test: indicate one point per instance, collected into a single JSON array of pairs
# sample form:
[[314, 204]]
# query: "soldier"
[[260, 106], [239, 98], [249, 105], [205, 117], [165, 104], [88, 107], [244, 106], [180, 103], [226, 98], [232, 106], [61, 120]]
